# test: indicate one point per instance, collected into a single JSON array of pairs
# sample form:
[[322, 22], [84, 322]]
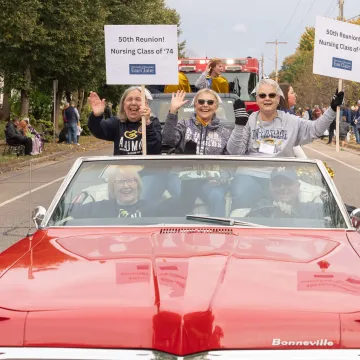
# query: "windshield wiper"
[[218, 220]]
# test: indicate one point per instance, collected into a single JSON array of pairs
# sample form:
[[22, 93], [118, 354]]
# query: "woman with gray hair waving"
[[202, 134], [271, 132], [125, 130]]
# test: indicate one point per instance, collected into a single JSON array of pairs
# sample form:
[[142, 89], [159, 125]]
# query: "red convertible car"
[[175, 257]]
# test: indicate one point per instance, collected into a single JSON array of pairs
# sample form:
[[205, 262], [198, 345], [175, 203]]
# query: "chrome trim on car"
[[124, 159], [31, 353]]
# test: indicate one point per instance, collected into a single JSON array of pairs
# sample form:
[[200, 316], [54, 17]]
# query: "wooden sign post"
[[143, 122]]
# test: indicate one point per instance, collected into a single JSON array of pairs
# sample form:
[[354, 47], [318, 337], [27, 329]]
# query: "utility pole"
[[262, 66], [340, 87], [276, 56]]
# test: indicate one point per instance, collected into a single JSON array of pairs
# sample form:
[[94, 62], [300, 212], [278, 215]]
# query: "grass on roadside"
[[86, 143]]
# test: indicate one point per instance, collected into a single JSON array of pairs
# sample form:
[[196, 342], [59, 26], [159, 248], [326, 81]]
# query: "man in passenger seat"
[[284, 199]]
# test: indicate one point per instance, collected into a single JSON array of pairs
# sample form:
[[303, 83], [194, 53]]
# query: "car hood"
[[184, 283]]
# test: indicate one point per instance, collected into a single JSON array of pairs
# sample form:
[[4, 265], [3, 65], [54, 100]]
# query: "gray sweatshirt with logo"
[[210, 140], [283, 133]]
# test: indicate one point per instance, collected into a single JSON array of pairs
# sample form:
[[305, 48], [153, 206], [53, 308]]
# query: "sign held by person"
[[141, 54], [337, 49]]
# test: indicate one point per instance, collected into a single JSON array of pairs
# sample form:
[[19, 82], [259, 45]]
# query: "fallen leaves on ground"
[[87, 143]]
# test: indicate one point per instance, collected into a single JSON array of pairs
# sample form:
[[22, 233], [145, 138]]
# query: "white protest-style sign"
[[337, 49], [141, 54]]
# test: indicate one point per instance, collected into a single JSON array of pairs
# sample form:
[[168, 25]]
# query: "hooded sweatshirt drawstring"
[[203, 124]]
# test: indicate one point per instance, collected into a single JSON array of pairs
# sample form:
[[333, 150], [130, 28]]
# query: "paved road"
[[15, 215], [15, 205]]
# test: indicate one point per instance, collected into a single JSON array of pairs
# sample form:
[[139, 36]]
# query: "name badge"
[[267, 149]]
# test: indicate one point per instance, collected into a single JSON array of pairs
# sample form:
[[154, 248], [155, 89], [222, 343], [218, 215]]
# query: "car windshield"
[[161, 106], [247, 82], [158, 192]]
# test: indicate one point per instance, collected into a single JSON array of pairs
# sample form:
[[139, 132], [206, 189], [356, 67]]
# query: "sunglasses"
[[202, 102], [263, 96]]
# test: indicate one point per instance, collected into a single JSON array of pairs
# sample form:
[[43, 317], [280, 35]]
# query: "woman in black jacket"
[[125, 129]]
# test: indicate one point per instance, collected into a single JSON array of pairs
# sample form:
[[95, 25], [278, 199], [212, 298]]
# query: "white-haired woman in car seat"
[[124, 187]]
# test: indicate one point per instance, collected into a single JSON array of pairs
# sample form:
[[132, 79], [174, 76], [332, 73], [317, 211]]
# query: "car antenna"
[[30, 200]]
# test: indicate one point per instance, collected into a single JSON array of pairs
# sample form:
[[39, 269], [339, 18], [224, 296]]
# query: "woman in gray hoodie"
[[271, 133], [205, 135]]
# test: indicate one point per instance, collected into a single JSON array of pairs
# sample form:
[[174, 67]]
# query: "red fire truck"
[[241, 73]]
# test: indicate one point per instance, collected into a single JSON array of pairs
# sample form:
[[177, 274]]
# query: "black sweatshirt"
[[126, 135]]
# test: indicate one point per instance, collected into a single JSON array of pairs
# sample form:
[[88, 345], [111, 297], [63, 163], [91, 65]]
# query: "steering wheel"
[[86, 195]]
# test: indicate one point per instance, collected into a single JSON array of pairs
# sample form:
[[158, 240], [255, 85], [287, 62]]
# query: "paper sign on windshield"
[[337, 49], [141, 54]]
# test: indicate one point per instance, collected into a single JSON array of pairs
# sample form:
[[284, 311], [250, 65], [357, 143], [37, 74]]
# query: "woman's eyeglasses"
[[263, 96], [121, 183], [203, 101]]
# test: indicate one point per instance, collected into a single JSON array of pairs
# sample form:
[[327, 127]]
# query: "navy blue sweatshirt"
[[126, 135]]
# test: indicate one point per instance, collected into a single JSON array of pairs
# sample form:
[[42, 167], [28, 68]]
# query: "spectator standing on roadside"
[[305, 115], [79, 131], [316, 113], [343, 129], [357, 122], [331, 130], [66, 105], [356, 133], [72, 118]]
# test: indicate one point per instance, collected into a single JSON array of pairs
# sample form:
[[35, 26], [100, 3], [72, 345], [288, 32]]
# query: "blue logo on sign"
[[142, 69], [342, 64]]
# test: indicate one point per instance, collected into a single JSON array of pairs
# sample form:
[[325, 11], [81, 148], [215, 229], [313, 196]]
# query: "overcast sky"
[[239, 28]]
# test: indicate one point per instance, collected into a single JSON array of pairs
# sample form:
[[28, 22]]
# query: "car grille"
[[110, 354], [222, 231]]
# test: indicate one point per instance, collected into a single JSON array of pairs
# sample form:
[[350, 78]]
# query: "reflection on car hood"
[[233, 281]]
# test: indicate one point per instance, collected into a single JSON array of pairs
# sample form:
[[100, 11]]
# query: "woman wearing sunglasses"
[[201, 134], [270, 132]]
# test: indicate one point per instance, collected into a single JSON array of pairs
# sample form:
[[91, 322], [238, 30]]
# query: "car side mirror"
[[38, 215], [355, 219]]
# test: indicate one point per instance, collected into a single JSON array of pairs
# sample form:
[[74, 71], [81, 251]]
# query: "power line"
[[305, 16], [297, 5], [353, 17], [334, 8], [330, 8]]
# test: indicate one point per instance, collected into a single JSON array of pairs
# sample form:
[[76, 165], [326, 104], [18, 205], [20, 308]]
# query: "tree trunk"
[[68, 96], [25, 93], [57, 112], [80, 100], [85, 99], [5, 112]]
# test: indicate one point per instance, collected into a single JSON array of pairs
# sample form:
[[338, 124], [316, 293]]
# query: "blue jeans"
[[154, 185], [214, 197], [356, 132], [72, 131]]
